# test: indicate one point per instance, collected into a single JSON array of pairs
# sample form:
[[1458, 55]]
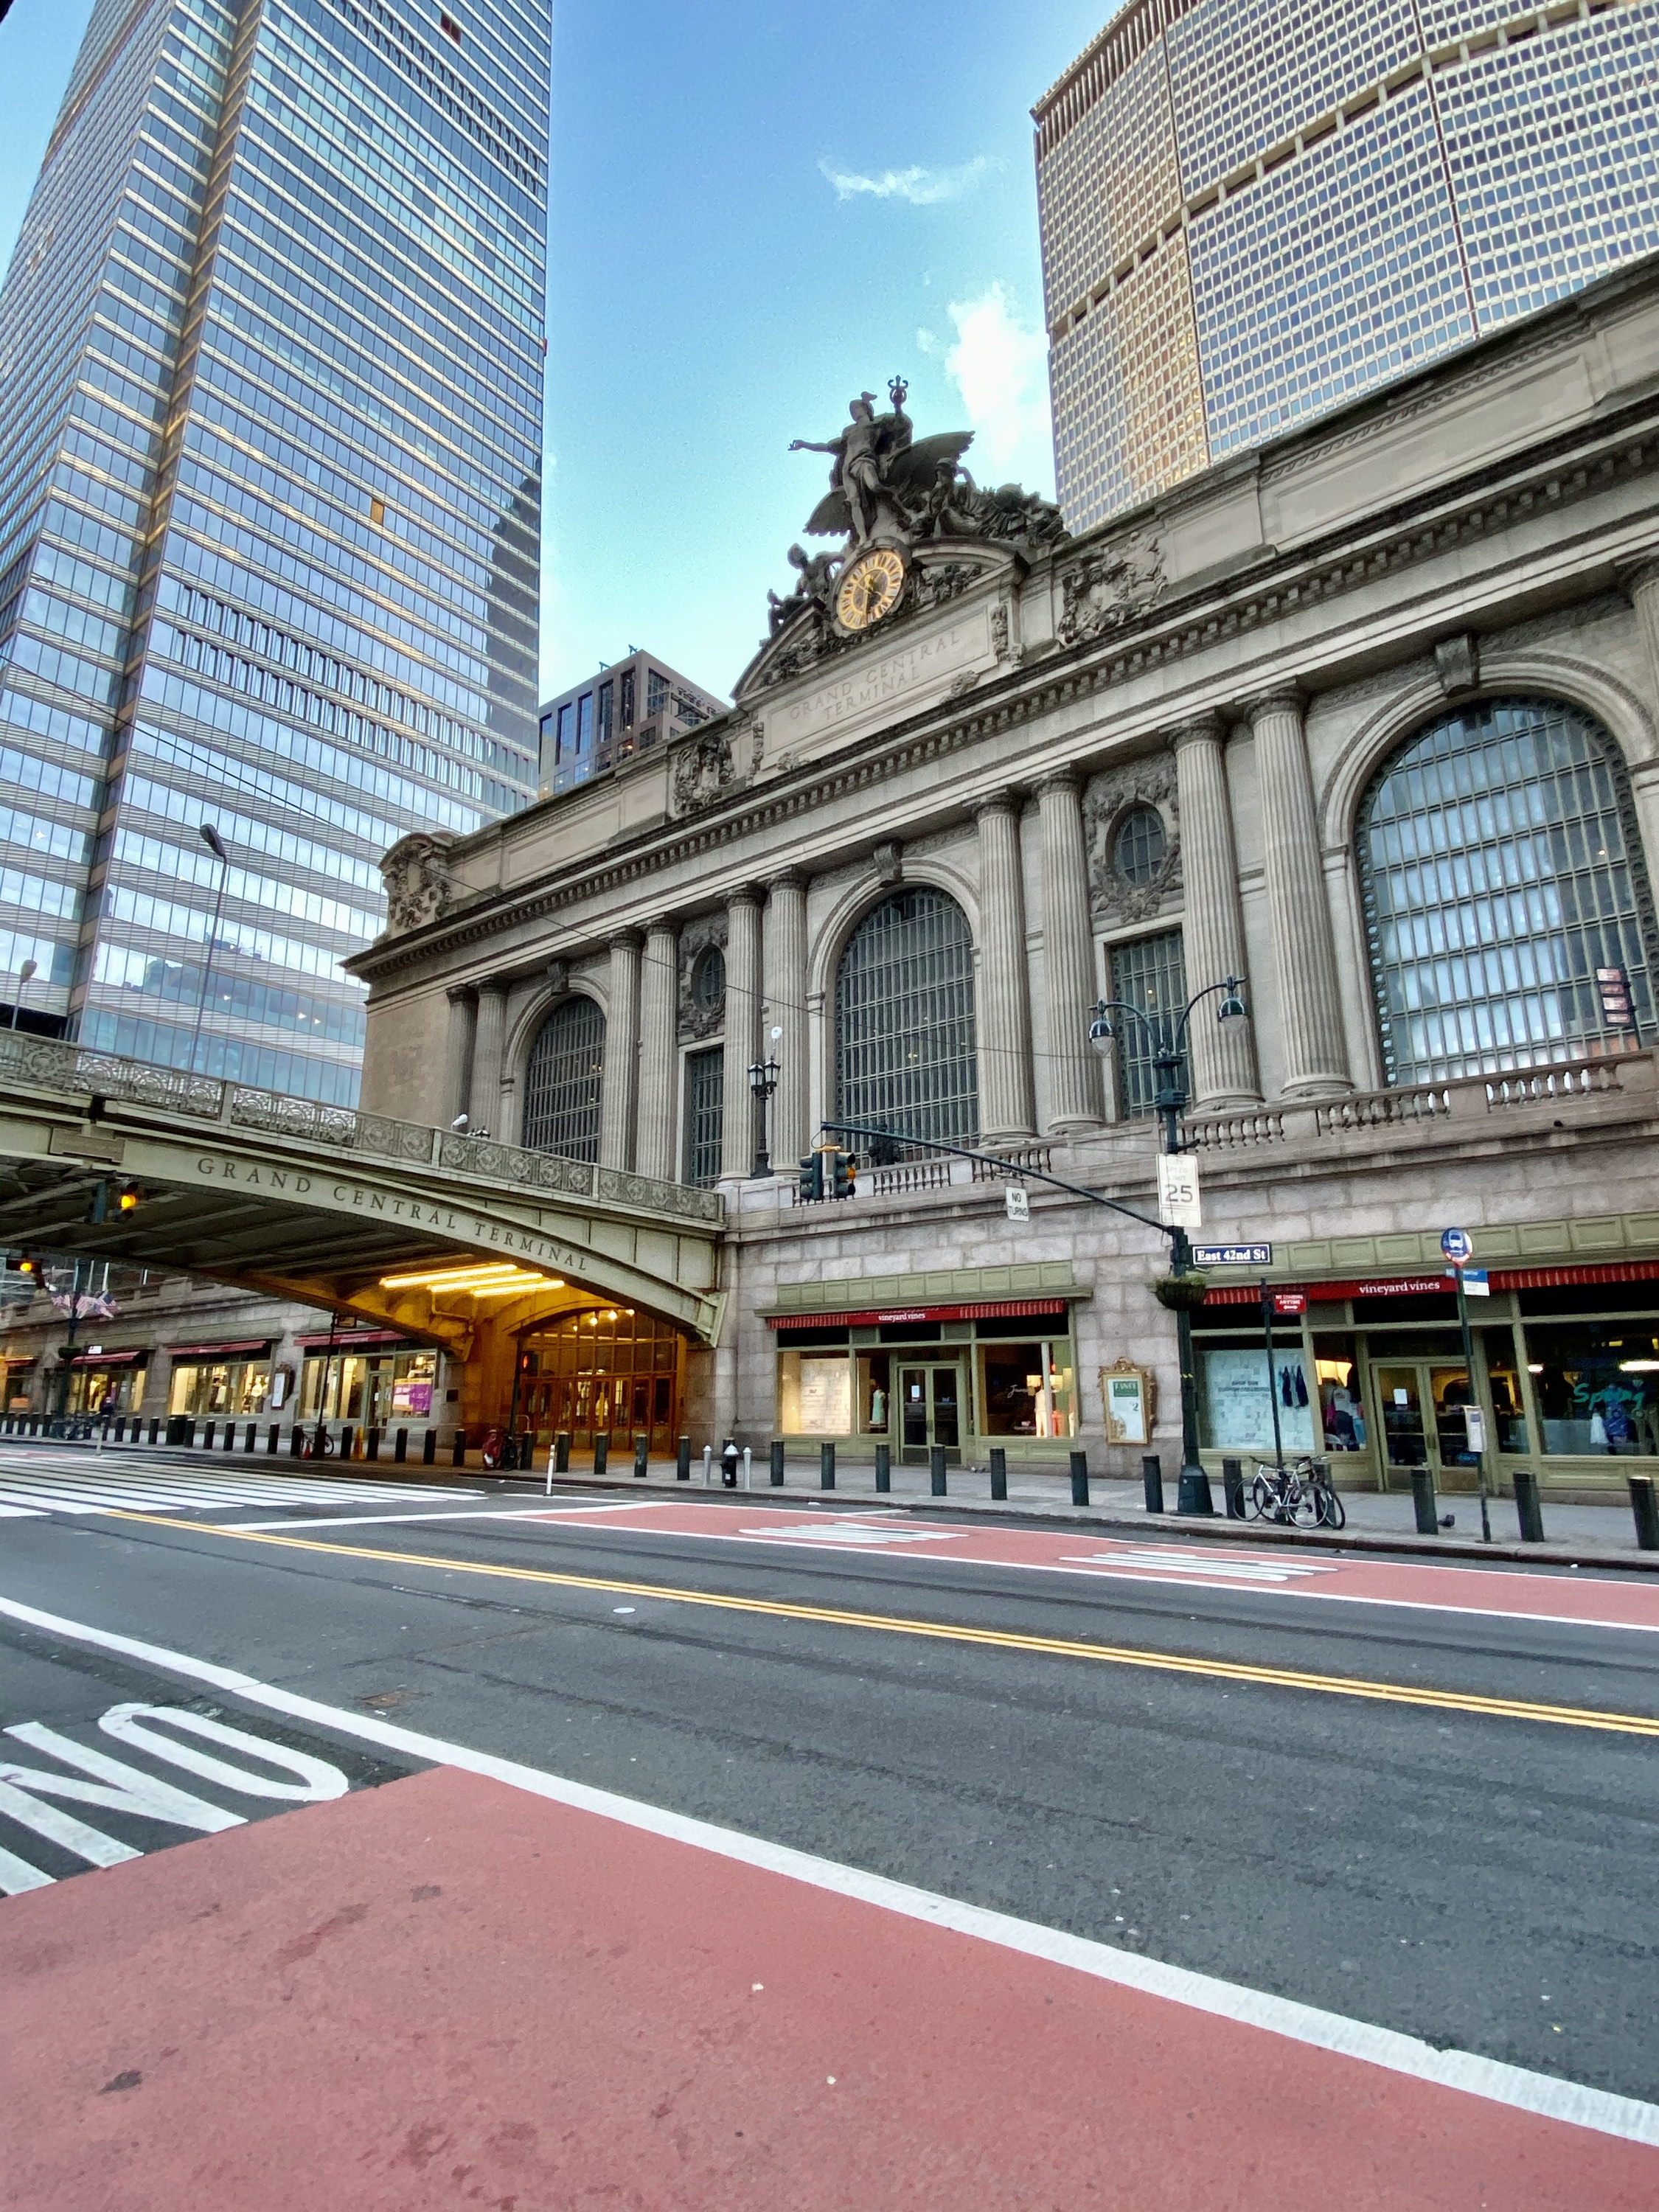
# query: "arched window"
[[708, 979], [904, 1021], [1501, 868], [562, 1083], [1140, 845]]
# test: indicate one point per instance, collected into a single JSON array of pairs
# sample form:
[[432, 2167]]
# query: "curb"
[[1206, 1529]]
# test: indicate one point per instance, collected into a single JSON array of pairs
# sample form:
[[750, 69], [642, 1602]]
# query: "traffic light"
[[131, 1198], [811, 1179], [22, 1263], [842, 1167]]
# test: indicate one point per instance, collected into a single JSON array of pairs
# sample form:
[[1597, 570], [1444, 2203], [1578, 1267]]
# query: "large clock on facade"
[[869, 588]]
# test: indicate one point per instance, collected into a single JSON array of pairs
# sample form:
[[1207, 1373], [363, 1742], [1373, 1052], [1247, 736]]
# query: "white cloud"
[[921, 187], [1000, 367]]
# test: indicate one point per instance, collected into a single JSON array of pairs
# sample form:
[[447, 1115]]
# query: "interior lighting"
[[1639, 1367], [497, 1275]]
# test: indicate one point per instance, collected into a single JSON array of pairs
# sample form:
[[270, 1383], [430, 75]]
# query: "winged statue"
[[879, 471]]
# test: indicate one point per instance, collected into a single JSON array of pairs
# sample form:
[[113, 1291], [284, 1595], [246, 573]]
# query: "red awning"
[[109, 1359], [360, 1339], [993, 1309], [252, 1348], [1395, 1286], [16, 1366]]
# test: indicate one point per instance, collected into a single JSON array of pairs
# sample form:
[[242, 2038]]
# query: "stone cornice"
[[1544, 480]]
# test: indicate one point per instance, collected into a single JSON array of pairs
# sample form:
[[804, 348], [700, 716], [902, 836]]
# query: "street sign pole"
[[1273, 1380], [1459, 1247]]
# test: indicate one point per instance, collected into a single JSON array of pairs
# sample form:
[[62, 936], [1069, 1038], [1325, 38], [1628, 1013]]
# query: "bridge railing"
[[43, 1064]]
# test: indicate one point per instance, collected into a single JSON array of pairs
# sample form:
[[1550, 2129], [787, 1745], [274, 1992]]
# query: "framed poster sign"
[[1130, 1396]]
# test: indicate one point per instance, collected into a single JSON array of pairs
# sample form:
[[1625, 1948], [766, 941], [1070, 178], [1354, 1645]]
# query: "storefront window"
[[232, 1386], [105, 1390], [607, 1372], [1341, 1404], [815, 1393], [1508, 1401], [371, 1389], [1596, 1386], [875, 1393], [1027, 1390], [1237, 1391]]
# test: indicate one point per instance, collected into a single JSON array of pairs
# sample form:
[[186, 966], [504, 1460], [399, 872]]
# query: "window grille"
[[1500, 866], [563, 1080], [705, 1115], [905, 1049], [1150, 973], [1138, 848]]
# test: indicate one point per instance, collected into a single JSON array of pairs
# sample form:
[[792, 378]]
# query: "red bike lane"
[[450, 1992]]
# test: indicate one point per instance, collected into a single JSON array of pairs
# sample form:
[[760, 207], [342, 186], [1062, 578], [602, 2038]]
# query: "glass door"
[[1422, 1405], [930, 1412]]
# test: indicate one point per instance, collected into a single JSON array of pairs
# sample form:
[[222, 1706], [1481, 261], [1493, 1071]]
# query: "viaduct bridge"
[[336, 1208]]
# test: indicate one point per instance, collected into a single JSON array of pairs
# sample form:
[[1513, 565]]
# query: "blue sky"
[[758, 209]]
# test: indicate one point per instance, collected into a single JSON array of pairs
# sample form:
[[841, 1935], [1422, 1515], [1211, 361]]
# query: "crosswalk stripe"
[[78, 1490]]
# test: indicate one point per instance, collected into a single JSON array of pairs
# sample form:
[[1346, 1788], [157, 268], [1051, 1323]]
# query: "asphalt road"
[[1482, 1882]]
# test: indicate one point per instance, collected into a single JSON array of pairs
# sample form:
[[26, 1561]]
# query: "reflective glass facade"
[[1255, 209], [270, 406]]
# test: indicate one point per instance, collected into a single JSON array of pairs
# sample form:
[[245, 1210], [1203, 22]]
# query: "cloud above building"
[[920, 188], [999, 364]]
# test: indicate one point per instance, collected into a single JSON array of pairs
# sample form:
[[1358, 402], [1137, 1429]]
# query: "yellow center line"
[[999, 1639]]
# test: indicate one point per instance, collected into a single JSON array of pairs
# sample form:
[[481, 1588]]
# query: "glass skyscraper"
[[271, 417], [1253, 210]]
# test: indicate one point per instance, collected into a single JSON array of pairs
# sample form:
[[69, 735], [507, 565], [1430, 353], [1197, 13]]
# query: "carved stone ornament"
[[1457, 663], [890, 863], [1108, 797], [1109, 587], [558, 978], [416, 874], [704, 768], [695, 1022]]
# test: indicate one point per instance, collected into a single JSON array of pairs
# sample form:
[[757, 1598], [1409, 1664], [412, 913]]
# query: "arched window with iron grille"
[[905, 1051], [563, 1080], [1504, 885]]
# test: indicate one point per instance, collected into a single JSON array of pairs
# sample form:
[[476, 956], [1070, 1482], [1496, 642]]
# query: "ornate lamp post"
[[1165, 1033], [28, 969], [215, 845], [762, 1082]]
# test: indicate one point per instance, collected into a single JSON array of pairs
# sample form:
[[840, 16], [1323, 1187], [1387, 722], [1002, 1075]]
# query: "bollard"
[[230, 1436], [207, 1436], [121, 1428], [601, 1451], [1423, 1500], [1528, 1511], [1232, 1487], [748, 1466], [1193, 1492], [642, 1458], [936, 1470], [729, 1464], [683, 1460], [1152, 1481], [562, 1452], [1644, 1504], [458, 1454], [775, 1462], [250, 1442], [372, 1443], [429, 1448], [707, 1465], [999, 1474], [296, 1442], [273, 1441], [826, 1466], [1079, 1478], [348, 1440], [400, 1447], [884, 1466]]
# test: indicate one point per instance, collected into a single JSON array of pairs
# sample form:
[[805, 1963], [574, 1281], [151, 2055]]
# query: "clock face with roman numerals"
[[869, 588]]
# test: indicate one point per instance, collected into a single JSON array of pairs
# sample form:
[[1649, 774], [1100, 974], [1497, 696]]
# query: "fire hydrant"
[[729, 1465]]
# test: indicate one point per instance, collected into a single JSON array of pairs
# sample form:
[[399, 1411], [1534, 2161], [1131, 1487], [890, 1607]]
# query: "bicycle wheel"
[[1301, 1504], [1332, 1511], [1263, 1497]]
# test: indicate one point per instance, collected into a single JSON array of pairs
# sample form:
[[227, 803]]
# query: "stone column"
[[655, 1146], [457, 1052], [622, 1028], [1304, 959], [743, 979], [1213, 932], [1006, 1110], [1068, 959], [1641, 583], [786, 1000], [484, 1096]]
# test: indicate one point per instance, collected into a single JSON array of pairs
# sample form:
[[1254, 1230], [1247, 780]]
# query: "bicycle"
[[1301, 1496]]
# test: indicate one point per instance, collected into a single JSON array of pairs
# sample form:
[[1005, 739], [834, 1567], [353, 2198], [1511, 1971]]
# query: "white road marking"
[[1185, 1566], [78, 1490], [508, 1509], [858, 1536], [1572, 2102]]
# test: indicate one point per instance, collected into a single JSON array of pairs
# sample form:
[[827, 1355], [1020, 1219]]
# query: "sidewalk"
[[1575, 1534]]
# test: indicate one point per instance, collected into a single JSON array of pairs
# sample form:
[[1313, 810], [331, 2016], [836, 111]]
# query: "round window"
[[1137, 848], [708, 978]]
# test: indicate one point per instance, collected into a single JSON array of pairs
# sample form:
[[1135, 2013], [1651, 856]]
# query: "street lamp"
[[762, 1082], [1166, 1035], [30, 968], [215, 845]]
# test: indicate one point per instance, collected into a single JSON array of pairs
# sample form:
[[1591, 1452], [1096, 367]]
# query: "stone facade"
[[1244, 656]]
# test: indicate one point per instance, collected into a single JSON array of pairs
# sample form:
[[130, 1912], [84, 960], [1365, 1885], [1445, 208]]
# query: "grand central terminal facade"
[[1366, 720]]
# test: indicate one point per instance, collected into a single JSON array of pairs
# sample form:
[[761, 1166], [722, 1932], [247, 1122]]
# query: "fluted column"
[[785, 1001], [458, 1052], [655, 1148], [1003, 1013], [1212, 930], [621, 1027], [742, 978], [484, 1094], [1316, 1056], [1641, 583], [1068, 959]]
